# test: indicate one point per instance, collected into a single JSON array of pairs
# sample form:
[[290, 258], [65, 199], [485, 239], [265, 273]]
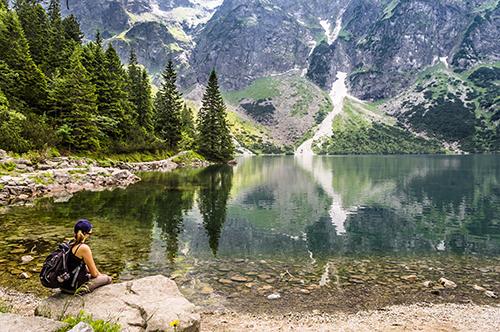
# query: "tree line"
[[57, 91]]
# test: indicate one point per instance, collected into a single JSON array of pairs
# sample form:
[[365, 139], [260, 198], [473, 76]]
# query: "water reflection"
[[277, 208]]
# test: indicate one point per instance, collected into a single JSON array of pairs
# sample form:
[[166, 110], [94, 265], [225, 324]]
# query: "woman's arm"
[[89, 260]]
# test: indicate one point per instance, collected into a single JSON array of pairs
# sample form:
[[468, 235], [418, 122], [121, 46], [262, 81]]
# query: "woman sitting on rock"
[[87, 276]]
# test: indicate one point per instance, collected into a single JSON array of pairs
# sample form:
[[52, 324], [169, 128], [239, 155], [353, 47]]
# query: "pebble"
[[428, 283], [479, 288], [239, 278], [447, 283], [305, 291], [26, 259], [491, 294], [207, 290], [410, 278], [274, 296], [264, 276], [225, 281], [25, 275]]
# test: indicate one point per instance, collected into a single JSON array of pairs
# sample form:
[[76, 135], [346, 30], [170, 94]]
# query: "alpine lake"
[[325, 233]]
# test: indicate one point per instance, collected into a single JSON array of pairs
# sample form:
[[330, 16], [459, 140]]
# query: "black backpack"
[[54, 271]]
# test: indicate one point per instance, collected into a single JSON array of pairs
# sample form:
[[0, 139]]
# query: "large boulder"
[[17, 323], [147, 304]]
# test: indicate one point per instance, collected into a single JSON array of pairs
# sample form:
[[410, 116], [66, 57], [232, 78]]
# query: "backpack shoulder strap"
[[77, 249]]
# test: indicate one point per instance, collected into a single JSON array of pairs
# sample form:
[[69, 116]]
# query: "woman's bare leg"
[[99, 281]]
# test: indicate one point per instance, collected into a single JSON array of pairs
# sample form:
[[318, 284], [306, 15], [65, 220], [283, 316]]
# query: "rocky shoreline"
[[420, 316], [61, 177]]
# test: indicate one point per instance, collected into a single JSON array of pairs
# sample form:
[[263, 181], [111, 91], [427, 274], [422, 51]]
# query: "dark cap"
[[83, 225]]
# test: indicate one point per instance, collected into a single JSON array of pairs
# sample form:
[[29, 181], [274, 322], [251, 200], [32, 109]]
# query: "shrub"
[[98, 325]]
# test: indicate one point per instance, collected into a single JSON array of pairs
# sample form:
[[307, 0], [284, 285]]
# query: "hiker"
[[87, 277]]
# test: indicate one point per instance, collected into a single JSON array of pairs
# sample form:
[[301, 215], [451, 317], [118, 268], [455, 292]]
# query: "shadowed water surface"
[[355, 225]]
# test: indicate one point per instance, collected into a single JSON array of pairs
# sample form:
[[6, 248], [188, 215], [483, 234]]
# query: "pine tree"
[[75, 106], [168, 107], [58, 52], [35, 23], [30, 88], [72, 31], [120, 108], [139, 91], [214, 138], [11, 125], [188, 131]]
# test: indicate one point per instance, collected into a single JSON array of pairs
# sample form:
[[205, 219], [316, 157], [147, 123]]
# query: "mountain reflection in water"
[[280, 208]]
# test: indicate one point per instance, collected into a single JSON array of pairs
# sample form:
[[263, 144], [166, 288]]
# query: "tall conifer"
[[139, 90], [75, 106], [30, 88], [168, 107], [214, 138], [35, 23]]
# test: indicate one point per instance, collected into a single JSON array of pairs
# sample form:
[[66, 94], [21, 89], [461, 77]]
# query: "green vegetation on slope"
[[355, 133], [461, 108], [262, 88]]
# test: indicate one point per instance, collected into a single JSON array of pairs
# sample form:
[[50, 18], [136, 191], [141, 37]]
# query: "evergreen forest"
[[57, 91]]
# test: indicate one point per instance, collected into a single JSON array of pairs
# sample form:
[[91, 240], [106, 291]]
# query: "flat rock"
[[239, 278], [17, 323], [147, 304]]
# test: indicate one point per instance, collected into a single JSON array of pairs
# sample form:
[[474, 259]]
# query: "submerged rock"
[[274, 296], [447, 283], [147, 304]]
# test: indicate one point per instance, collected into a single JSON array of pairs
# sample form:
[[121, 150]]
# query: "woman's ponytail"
[[79, 237]]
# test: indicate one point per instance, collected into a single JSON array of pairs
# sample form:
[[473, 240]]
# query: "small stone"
[[479, 288], [207, 290], [223, 269], [251, 273], [239, 278], [239, 260], [266, 287], [16, 271], [447, 283], [410, 278], [225, 281], [249, 284], [26, 259], [274, 296], [25, 275], [264, 276], [356, 281], [428, 283], [491, 294], [82, 327], [305, 291]]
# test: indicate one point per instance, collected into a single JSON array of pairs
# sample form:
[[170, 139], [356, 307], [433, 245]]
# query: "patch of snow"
[[444, 60], [337, 95]]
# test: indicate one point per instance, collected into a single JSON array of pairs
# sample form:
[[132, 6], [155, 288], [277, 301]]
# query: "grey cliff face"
[[384, 44], [245, 40]]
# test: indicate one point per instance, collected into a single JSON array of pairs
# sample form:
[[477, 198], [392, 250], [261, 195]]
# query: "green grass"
[[262, 88], [98, 325], [389, 10], [43, 178], [7, 167], [354, 133], [305, 98], [187, 158], [4, 307]]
